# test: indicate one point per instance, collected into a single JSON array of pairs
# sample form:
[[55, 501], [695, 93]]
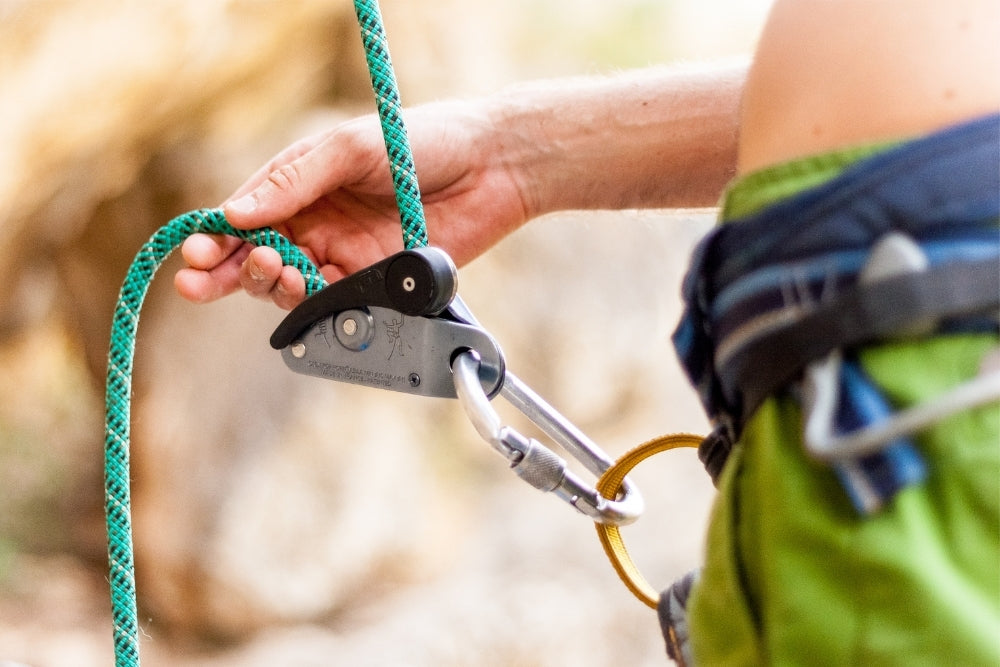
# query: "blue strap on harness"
[[871, 480]]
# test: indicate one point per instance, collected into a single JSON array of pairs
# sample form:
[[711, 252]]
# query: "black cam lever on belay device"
[[394, 325], [422, 281]]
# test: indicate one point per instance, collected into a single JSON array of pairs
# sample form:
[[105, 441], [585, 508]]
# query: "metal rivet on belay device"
[[354, 329]]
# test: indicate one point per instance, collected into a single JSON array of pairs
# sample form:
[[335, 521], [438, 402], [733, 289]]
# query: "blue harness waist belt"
[[769, 293]]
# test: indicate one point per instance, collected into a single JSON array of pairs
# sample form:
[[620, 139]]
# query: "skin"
[[833, 73], [826, 74]]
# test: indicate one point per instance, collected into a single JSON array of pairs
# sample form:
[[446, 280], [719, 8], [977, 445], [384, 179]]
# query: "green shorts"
[[794, 575]]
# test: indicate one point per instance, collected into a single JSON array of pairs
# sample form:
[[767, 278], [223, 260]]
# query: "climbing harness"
[[901, 244]]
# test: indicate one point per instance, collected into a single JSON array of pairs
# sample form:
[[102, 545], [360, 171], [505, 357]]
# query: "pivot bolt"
[[354, 329], [414, 380], [298, 349]]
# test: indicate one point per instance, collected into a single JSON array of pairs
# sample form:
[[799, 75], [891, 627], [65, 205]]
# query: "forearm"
[[662, 137]]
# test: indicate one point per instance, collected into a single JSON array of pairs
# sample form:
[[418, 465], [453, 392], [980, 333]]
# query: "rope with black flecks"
[[126, 320]]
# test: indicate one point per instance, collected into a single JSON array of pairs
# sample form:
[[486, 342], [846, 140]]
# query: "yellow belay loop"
[[611, 539]]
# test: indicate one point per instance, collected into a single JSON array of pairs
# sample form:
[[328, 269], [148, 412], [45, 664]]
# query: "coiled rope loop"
[[118, 398], [126, 319]]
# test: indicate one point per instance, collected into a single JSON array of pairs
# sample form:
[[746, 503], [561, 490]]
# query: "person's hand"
[[331, 195], [658, 137]]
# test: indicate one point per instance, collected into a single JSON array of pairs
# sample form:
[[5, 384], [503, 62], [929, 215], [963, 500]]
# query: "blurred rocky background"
[[281, 519]]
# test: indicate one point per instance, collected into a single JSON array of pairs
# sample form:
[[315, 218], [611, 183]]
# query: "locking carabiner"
[[531, 460]]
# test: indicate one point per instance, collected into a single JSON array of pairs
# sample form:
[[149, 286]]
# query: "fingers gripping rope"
[[117, 430]]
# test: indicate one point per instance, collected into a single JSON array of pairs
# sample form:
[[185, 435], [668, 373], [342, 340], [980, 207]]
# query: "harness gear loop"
[[610, 536]]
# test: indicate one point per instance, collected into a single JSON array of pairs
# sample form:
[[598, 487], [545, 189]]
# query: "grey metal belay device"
[[399, 325]]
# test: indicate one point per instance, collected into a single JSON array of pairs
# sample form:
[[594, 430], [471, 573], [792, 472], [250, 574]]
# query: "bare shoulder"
[[830, 73]]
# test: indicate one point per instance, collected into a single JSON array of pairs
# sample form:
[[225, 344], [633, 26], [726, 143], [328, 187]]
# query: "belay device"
[[399, 325]]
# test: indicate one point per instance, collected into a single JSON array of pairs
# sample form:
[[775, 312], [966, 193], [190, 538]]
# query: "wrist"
[[523, 147]]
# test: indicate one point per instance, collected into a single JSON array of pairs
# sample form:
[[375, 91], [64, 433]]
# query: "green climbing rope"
[[117, 432], [390, 112], [119, 392]]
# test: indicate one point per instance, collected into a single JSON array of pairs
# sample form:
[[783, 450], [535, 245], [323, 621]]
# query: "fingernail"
[[256, 273], [245, 204]]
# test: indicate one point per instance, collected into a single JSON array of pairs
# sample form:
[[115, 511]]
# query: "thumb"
[[277, 198], [304, 172]]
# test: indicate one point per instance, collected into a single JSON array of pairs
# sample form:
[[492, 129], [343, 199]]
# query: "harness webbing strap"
[[610, 536], [940, 190], [859, 315]]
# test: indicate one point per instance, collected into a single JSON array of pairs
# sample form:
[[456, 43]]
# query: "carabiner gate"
[[530, 459]]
